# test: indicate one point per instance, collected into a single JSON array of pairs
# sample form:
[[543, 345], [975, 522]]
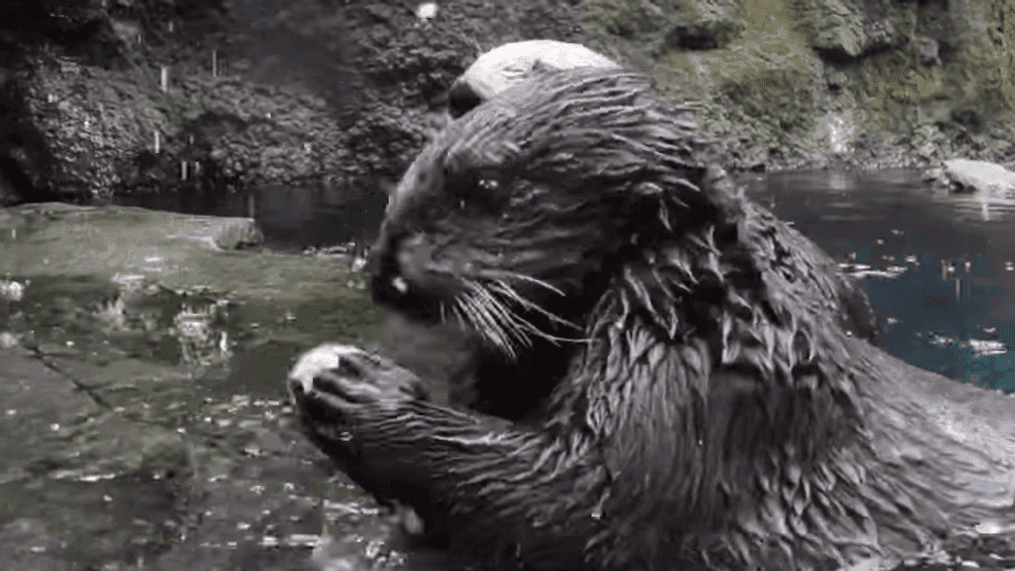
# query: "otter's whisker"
[[477, 312], [456, 311], [471, 316], [502, 275], [505, 289], [502, 314], [518, 328]]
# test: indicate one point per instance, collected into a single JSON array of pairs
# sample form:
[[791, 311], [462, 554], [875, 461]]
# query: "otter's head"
[[517, 217], [514, 63]]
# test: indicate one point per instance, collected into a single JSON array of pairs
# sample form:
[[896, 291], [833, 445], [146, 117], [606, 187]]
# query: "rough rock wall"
[[805, 83], [176, 98], [255, 91], [344, 92]]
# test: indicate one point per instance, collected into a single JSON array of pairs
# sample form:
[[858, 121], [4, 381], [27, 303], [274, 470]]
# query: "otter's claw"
[[318, 359], [344, 377]]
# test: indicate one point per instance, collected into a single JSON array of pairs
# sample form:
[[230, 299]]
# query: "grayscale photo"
[[507, 285]]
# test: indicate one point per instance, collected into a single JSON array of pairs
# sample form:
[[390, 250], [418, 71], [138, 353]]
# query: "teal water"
[[938, 267]]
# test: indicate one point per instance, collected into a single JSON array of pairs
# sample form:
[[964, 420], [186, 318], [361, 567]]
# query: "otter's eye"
[[483, 193]]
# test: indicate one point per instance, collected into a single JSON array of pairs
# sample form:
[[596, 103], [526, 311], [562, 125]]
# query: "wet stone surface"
[[144, 417]]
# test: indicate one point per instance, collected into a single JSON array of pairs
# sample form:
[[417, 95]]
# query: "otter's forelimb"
[[495, 488]]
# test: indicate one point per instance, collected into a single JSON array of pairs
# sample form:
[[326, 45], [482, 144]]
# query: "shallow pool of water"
[[290, 216]]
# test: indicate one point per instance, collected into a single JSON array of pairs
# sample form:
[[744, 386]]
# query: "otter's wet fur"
[[707, 405]]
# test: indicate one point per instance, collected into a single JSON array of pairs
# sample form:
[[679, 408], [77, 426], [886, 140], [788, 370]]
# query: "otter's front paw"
[[333, 387], [345, 378]]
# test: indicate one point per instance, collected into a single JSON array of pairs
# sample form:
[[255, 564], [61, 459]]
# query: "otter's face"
[[511, 218], [487, 244]]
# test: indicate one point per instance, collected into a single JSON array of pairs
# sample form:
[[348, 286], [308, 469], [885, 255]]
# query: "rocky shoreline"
[[104, 98]]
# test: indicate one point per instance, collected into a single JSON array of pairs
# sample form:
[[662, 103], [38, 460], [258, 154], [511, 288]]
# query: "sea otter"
[[706, 406], [489, 384]]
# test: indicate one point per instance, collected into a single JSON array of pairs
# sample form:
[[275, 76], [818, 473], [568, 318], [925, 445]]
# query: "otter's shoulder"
[[795, 271]]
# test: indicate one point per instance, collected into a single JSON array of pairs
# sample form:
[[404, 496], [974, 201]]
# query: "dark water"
[[938, 266], [290, 216]]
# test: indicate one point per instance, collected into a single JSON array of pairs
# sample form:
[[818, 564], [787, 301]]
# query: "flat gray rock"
[[127, 244], [144, 418], [980, 176]]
